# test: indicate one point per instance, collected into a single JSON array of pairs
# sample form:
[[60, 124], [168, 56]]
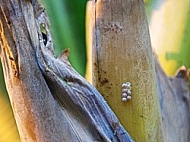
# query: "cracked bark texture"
[[50, 100], [174, 98]]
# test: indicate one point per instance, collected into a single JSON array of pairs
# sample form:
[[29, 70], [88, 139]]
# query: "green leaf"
[[68, 29]]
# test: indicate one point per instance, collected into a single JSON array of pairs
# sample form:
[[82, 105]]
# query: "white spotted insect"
[[126, 91]]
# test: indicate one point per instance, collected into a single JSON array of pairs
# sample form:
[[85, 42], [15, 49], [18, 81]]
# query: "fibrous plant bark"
[[50, 100], [174, 97]]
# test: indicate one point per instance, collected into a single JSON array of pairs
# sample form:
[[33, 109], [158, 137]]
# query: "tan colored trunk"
[[122, 53], [37, 114]]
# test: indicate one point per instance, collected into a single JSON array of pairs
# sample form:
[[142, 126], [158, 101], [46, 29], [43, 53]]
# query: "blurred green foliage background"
[[68, 29], [67, 19]]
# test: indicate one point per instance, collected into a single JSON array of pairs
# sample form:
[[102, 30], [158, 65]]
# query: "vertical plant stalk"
[[122, 53]]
